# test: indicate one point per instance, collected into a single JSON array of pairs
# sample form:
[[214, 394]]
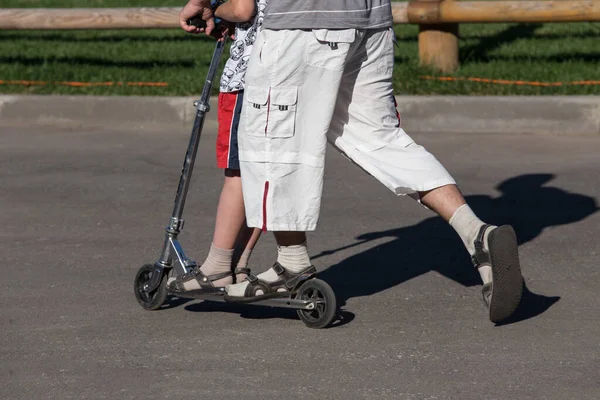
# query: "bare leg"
[[231, 230], [290, 238], [247, 239], [444, 200], [230, 225], [231, 216]]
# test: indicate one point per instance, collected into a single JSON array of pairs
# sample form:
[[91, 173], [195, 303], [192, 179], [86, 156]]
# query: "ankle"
[[293, 258], [218, 260], [467, 225]]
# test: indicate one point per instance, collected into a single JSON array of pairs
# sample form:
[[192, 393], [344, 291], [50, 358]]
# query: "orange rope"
[[508, 82], [27, 83], [84, 84]]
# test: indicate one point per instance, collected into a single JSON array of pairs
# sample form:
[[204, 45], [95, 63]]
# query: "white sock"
[[467, 225], [217, 261], [243, 263], [292, 258]]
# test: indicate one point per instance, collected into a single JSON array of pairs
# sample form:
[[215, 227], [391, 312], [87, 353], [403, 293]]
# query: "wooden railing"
[[437, 19]]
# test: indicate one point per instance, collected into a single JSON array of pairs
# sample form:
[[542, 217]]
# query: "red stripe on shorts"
[[225, 117], [397, 112], [264, 227]]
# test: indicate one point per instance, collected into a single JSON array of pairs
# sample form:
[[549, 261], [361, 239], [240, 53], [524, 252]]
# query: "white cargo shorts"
[[304, 88]]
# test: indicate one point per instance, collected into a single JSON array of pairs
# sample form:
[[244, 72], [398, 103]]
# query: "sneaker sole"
[[507, 286]]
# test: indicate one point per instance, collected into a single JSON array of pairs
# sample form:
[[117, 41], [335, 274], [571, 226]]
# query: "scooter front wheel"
[[149, 300], [323, 298]]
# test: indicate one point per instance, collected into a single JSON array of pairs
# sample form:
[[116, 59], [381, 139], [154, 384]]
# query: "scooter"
[[313, 298]]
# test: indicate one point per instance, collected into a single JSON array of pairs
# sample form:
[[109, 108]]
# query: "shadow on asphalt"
[[531, 305], [432, 245], [262, 312]]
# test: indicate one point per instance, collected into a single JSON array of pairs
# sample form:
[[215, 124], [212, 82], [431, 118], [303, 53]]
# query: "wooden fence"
[[437, 19]]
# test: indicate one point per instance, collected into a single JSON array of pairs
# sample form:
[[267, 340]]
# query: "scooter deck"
[[202, 294], [219, 296]]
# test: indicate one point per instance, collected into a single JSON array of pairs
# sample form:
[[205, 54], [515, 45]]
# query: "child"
[[230, 224]]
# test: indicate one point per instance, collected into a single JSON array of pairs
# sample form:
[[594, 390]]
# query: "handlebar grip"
[[197, 21]]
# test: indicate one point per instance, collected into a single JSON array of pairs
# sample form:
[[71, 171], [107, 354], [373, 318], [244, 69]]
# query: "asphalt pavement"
[[83, 210]]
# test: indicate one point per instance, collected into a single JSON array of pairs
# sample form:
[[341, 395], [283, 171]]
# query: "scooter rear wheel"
[[149, 300], [322, 295]]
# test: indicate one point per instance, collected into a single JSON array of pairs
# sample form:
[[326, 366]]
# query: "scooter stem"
[[171, 248], [202, 107]]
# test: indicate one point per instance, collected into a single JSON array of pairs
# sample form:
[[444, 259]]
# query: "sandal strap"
[[287, 280], [290, 279], [252, 279], [254, 284], [481, 255], [205, 281], [242, 271], [200, 277]]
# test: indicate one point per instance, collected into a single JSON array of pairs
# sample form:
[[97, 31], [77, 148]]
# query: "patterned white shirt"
[[234, 73]]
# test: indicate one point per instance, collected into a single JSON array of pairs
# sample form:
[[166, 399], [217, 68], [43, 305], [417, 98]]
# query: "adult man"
[[322, 71]]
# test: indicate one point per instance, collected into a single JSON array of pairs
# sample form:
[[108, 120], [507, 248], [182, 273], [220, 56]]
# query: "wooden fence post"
[[438, 43]]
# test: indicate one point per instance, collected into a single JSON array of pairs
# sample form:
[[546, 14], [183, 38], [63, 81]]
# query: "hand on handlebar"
[[222, 29], [201, 9]]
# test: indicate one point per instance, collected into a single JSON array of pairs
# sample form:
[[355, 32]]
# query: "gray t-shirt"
[[328, 14]]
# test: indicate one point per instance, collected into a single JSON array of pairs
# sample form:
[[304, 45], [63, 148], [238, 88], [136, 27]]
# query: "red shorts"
[[228, 115]]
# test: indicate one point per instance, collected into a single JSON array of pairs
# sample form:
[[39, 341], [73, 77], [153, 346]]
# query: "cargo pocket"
[[281, 119], [377, 126], [328, 48], [256, 110]]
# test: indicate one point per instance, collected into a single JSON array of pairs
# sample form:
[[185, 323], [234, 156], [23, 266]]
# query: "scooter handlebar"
[[197, 21]]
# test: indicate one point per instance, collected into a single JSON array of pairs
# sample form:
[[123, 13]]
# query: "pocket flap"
[[335, 36], [257, 95], [284, 96]]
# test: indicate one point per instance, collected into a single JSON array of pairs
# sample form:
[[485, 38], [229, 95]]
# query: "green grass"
[[528, 52]]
